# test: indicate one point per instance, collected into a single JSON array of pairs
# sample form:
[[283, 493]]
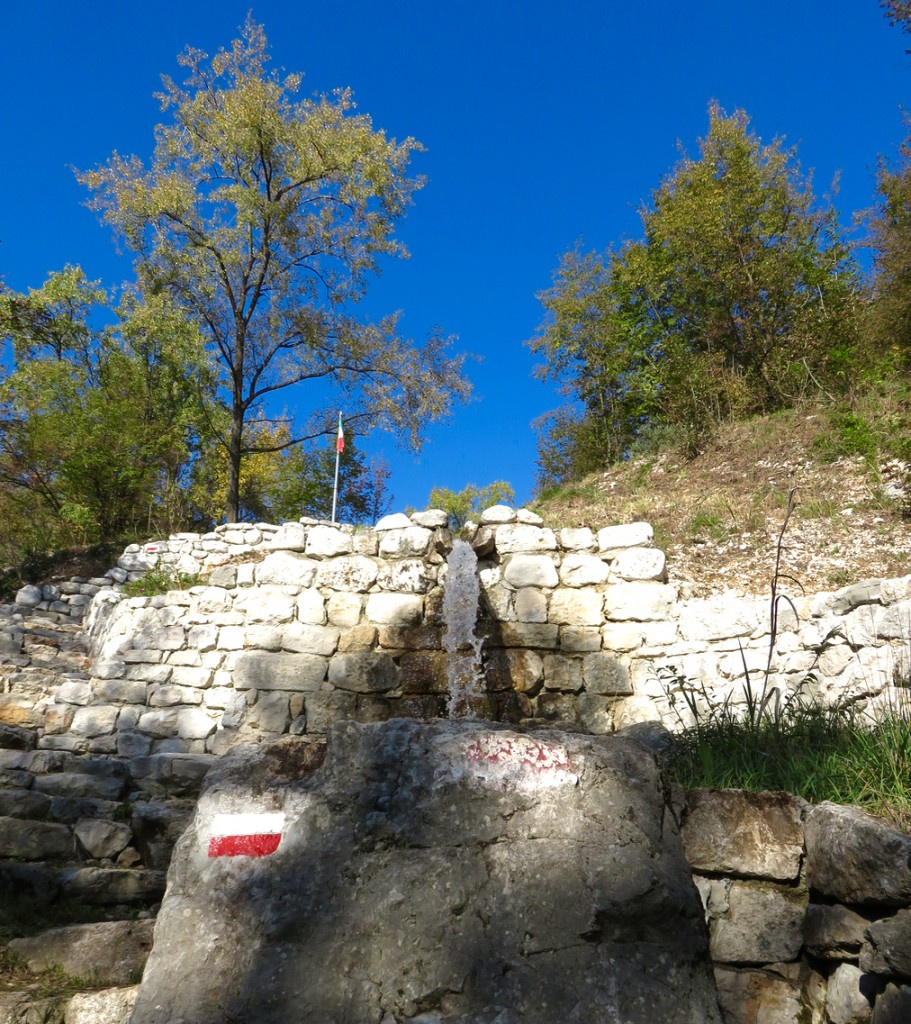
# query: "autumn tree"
[[280, 482], [460, 506], [98, 424], [263, 216], [740, 298]]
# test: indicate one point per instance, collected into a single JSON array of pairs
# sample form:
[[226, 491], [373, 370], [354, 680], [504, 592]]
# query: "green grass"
[[159, 580], [814, 751]]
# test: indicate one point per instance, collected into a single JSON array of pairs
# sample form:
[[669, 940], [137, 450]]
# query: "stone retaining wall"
[[302, 625], [808, 908]]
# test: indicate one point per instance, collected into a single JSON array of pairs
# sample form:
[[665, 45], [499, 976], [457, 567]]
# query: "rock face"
[[458, 871]]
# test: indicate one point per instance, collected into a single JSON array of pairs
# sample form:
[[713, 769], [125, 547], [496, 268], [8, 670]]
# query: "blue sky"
[[541, 126]]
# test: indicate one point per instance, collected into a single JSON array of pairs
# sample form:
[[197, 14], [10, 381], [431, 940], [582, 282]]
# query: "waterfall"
[[460, 613]]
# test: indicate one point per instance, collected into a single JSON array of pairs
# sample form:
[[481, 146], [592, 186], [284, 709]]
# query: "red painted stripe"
[[258, 845]]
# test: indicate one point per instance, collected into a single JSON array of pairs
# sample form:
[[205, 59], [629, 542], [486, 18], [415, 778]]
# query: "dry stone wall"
[[808, 908], [299, 626]]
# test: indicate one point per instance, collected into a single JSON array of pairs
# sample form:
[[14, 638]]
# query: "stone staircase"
[[84, 834]]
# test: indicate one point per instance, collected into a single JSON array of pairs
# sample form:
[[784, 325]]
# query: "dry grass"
[[718, 515]]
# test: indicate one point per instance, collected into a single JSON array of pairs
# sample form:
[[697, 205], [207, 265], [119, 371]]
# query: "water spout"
[[463, 648]]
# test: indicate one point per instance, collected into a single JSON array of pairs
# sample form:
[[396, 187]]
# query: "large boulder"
[[458, 871], [856, 858]]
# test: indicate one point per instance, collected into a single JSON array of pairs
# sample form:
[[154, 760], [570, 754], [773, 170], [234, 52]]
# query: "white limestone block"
[[531, 571], [629, 535]]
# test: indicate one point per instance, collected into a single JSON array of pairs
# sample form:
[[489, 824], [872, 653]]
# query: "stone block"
[[887, 947], [23, 803], [82, 784], [270, 713], [629, 535], [263, 638], [434, 518], [562, 673], [857, 858], [410, 542], [327, 542], [606, 675], [106, 1006], [717, 618], [518, 670], [395, 609], [583, 570], [407, 576], [544, 635], [311, 607], [170, 775], [323, 710], [96, 720], [580, 639], [194, 724], [58, 719], [111, 952], [145, 673], [734, 832], [121, 691], [198, 678], [285, 568], [460, 849], [574, 607], [344, 610], [105, 886], [349, 573], [357, 638], [577, 539], [262, 670], [100, 838], [367, 672], [289, 537], [133, 744], [848, 996], [893, 1006], [530, 605], [764, 924], [766, 997], [268, 605], [522, 538], [35, 840], [642, 602], [159, 724], [300, 638], [75, 692], [394, 521], [640, 564], [833, 932], [422, 672], [531, 571], [230, 638], [498, 514]]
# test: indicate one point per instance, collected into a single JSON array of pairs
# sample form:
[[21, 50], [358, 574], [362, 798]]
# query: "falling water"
[[460, 612]]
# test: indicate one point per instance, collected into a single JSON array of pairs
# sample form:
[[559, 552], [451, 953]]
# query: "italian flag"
[[245, 835], [340, 440]]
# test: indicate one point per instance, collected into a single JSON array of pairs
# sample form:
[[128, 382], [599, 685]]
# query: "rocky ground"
[[719, 516]]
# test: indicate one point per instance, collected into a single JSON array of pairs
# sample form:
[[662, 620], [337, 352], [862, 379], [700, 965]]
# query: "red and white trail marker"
[[246, 835]]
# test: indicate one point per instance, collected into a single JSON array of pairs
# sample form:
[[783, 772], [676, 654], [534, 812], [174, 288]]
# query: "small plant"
[[159, 580], [793, 742]]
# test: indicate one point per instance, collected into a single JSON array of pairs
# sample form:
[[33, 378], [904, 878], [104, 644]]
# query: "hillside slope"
[[719, 516]]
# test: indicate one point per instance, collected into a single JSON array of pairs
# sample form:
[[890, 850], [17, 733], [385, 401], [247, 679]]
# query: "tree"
[[99, 424], [898, 12], [740, 298], [460, 506], [890, 236], [262, 217], [280, 483]]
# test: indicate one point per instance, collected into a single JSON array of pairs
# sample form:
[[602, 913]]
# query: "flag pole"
[[339, 448]]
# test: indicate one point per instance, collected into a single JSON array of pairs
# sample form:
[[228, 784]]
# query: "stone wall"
[[808, 908], [299, 626]]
